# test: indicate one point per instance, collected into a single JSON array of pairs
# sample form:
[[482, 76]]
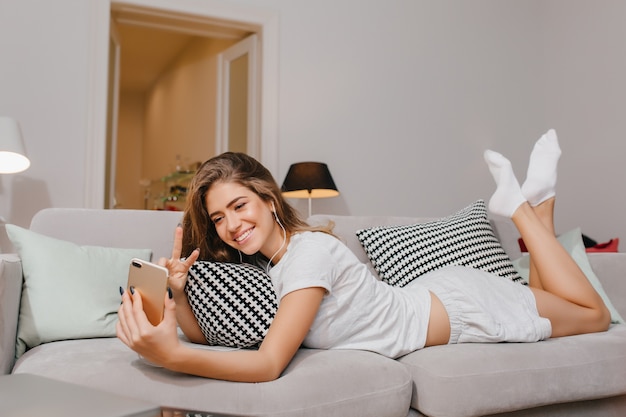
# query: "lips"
[[243, 236]]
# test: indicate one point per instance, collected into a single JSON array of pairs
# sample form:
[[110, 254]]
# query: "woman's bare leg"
[[545, 213], [567, 299], [539, 187]]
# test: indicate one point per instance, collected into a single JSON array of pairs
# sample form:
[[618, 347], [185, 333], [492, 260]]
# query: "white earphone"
[[269, 263]]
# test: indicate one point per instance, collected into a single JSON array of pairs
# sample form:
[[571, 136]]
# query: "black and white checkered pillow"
[[233, 303], [402, 253]]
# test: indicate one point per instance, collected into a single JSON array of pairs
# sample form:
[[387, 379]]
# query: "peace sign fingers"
[[178, 267]]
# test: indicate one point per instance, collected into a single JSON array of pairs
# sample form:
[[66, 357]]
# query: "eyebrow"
[[230, 204]]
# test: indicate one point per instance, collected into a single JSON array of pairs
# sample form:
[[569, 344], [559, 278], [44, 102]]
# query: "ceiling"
[[145, 53], [150, 40]]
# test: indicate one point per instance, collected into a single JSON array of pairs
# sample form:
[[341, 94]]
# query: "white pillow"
[[573, 243], [402, 253], [69, 291]]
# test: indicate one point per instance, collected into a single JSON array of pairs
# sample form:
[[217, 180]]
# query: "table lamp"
[[309, 180], [12, 155]]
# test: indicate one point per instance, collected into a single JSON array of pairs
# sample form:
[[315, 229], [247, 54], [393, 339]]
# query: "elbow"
[[271, 371], [270, 364], [270, 374], [261, 371], [275, 374]]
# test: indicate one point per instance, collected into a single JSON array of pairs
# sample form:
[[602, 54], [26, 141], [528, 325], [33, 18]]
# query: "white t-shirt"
[[358, 311]]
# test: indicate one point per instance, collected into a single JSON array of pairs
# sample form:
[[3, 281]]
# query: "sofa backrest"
[[154, 229], [111, 228]]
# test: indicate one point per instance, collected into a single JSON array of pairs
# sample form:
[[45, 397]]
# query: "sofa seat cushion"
[[317, 382], [480, 379]]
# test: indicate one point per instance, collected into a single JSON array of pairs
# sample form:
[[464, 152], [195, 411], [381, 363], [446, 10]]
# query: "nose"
[[233, 223]]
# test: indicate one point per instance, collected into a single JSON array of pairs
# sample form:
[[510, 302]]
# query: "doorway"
[[192, 23], [183, 94]]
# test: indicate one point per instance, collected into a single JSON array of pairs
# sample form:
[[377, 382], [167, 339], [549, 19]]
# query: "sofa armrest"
[[610, 268], [10, 293]]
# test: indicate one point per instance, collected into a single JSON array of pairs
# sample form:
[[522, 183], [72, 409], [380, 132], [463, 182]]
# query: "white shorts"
[[486, 308]]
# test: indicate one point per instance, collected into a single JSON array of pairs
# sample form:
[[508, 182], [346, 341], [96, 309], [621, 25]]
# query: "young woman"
[[328, 299]]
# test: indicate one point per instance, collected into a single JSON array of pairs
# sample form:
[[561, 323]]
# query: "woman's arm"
[[160, 344], [291, 324], [187, 321]]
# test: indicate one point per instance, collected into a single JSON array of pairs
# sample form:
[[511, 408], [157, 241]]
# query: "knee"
[[601, 319]]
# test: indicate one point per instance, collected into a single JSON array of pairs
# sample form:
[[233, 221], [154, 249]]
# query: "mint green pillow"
[[69, 291], [573, 243]]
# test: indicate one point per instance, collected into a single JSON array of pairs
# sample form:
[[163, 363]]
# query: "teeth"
[[243, 236]]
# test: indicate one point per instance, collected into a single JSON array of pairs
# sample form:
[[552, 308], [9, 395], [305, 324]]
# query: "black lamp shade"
[[309, 180]]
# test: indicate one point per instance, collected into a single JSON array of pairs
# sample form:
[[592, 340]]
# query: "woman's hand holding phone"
[[156, 344]]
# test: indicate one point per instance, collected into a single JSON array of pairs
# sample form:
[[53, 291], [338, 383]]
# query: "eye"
[[240, 206], [216, 219]]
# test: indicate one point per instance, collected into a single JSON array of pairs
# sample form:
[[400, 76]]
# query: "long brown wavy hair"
[[198, 229]]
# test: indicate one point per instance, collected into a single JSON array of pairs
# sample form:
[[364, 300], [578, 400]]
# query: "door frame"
[[113, 95], [247, 46], [261, 21]]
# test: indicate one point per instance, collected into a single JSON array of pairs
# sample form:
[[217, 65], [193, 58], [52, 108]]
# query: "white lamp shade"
[[12, 155]]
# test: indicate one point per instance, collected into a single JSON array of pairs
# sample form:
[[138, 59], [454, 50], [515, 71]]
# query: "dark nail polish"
[[132, 290], [121, 290], [169, 293]]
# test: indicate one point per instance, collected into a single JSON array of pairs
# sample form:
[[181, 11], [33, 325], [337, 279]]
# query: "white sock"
[[508, 195], [541, 176]]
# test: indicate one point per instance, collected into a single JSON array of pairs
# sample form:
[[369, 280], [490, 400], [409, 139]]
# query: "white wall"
[[398, 97], [43, 83], [585, 98]]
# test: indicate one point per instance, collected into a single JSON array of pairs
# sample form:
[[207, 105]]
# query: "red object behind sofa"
[[610, 246]]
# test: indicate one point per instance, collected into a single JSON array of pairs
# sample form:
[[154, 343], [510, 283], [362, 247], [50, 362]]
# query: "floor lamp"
[[12, 155], [309, 180]]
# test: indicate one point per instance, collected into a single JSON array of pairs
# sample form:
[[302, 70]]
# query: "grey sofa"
[[580, 375]]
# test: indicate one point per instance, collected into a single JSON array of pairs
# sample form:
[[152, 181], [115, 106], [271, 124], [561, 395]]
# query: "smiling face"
[[243, 220]]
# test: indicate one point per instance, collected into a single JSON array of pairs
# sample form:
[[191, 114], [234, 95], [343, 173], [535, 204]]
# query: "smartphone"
[[151, 282]]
